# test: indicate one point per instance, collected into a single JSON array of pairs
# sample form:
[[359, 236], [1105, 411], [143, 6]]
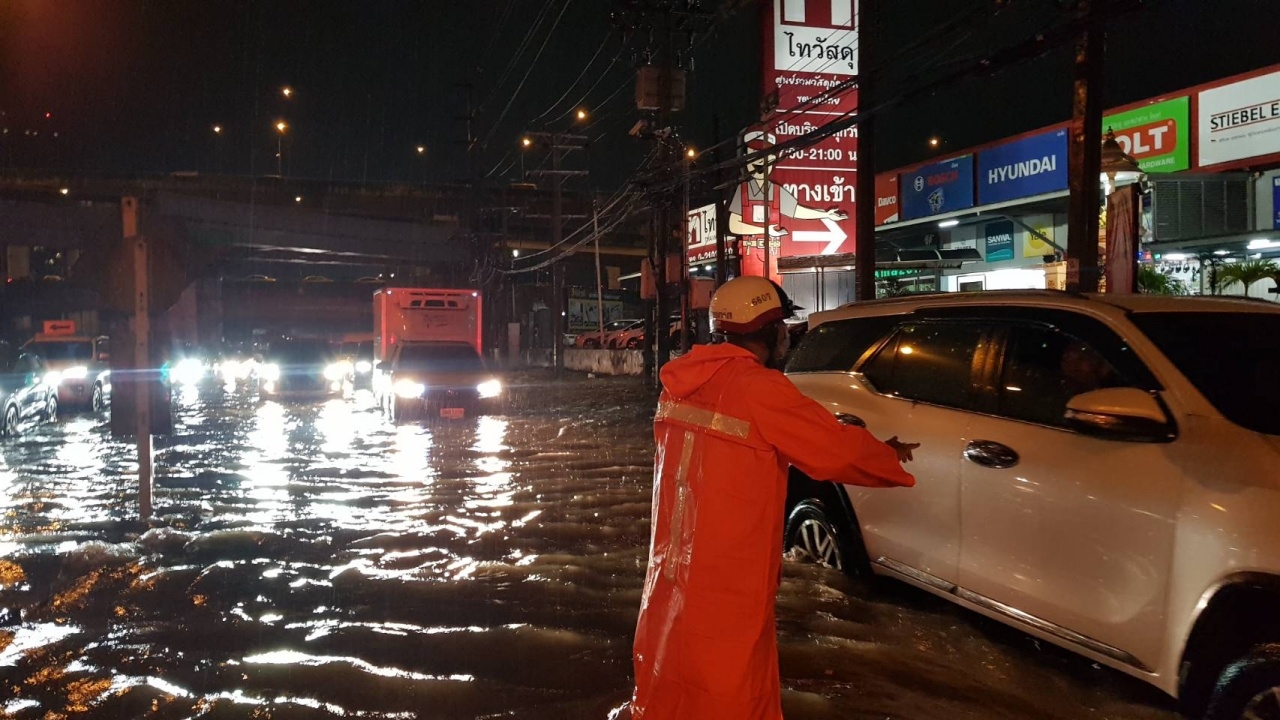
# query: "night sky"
[[135, 87]]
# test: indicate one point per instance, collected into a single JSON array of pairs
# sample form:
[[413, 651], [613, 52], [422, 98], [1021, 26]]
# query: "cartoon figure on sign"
[[759, 204]]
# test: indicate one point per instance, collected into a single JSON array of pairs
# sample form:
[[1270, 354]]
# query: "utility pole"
[[137, 245], [595, 237], [684, 257], [1085, 152], [558, 143], [864, 228]]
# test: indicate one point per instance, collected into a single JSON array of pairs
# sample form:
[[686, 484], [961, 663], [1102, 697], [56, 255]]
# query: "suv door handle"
[[991, 454], [847, 419]]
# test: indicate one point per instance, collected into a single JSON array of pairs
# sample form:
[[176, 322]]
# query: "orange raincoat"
[[727, 429]]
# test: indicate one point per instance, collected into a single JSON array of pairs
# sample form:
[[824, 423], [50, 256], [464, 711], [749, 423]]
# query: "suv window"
[[1045, 368], [837, 346], [931, 362]]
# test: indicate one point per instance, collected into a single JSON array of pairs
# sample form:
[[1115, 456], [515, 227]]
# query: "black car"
[[302, 369], [435, 380], [26, 394]]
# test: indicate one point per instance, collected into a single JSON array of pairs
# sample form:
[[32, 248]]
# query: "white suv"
[[1102, 472]]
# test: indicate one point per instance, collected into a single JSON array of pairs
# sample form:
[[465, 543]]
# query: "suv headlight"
[[409, 389], [270, 372], [188, 371], [489, 389], [364, 366], [337, 371], [53, 377], [79, 372]]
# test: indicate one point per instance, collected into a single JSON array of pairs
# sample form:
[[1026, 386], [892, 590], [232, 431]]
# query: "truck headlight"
[[489, 389], [79, 372], [364, 366], [270, 372], [409, 389]]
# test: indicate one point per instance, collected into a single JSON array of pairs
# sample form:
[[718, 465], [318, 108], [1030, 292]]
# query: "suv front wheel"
[[816, 535], [1249, 689]]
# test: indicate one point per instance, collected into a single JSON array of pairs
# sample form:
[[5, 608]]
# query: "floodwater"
[[314, 561]]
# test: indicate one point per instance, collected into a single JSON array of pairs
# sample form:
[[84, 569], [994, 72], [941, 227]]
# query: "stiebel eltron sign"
[[1240, 121]]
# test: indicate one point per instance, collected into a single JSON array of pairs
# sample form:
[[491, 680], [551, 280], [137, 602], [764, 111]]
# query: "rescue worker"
[[728, 427]]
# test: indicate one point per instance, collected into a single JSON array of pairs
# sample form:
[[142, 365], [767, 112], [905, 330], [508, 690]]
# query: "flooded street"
[[313, 561]]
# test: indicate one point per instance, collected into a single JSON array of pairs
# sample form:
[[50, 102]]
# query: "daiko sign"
[[1158, 135]]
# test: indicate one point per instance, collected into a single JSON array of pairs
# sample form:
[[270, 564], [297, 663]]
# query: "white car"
[[1102, 472]]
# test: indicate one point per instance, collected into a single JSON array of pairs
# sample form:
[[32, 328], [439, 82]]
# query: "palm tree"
[[1153, 282], [1246, 273]]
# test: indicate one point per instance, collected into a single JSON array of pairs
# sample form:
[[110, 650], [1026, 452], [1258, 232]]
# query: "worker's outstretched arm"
[[810, 438]]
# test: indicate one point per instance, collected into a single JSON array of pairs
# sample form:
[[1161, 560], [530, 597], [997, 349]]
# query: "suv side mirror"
[[1126, 414], [384, 366]]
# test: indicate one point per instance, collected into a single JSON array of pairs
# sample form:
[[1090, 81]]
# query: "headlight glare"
[[364, 366], [409, 389], [270, 372], [79, 372], [489, 389]]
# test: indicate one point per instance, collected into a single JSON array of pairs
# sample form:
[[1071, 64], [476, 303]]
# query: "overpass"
[[223, 228]]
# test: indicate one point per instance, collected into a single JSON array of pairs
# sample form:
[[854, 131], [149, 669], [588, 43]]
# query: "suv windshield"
[[1232, 358], [58, 351], [459, 358], [301, 352]]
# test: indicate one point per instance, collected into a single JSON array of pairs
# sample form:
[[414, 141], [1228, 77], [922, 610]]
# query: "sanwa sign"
[[1036, 165], [938, 188]]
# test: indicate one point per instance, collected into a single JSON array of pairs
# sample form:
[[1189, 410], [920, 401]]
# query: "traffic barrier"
[[604, 362]]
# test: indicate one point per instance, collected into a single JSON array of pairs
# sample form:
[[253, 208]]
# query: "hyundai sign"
[[935, 189], [1036, 165]]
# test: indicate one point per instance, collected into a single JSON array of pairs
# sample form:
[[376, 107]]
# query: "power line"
[[576, 80], [501, 116], [519, 52]]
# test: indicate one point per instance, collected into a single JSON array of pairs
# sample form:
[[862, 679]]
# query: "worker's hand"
[[777, 231], [903, 449], [837, 214]]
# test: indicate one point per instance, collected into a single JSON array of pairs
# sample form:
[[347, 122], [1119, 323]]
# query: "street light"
[[286, 91], [691, 153], [934, 142], [281, 127], [582, 114], [217, 129], [422, 149]]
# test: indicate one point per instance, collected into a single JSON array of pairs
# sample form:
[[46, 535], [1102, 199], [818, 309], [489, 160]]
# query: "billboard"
[[1240, 121], [583, 308], [938, 188], [810, 47], [886, 199], [1158, 135], [998, 241], [1023, 168], [700, 246]]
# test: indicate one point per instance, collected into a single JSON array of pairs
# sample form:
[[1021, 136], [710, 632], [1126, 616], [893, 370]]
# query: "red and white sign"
[[700, 246], [1240, 121], [886, 199], [812, 46]]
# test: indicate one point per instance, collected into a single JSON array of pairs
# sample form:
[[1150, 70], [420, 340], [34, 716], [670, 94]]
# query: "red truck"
[[428, 354]]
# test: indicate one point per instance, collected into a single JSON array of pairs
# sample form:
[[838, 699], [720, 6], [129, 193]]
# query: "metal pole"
[[684, 264], [557, 275], [864, 229], [280, 154], [1085, 154], [595, 232], [141, 351]]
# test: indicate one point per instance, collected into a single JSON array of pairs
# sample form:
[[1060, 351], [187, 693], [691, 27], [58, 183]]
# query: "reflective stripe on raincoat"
[[727, 429]]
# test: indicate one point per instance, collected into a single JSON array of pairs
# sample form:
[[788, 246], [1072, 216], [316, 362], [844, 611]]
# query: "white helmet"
[[747, 304]]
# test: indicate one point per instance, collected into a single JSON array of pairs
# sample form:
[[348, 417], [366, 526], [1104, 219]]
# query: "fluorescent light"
[[1261, 243], [948, 223], [1175, 257], [1220, 253]]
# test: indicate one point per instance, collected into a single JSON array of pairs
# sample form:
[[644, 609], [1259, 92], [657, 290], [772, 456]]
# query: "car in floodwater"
[[427, 380], [26, 393], [1098, 471], [79, 369], [303, 368]]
